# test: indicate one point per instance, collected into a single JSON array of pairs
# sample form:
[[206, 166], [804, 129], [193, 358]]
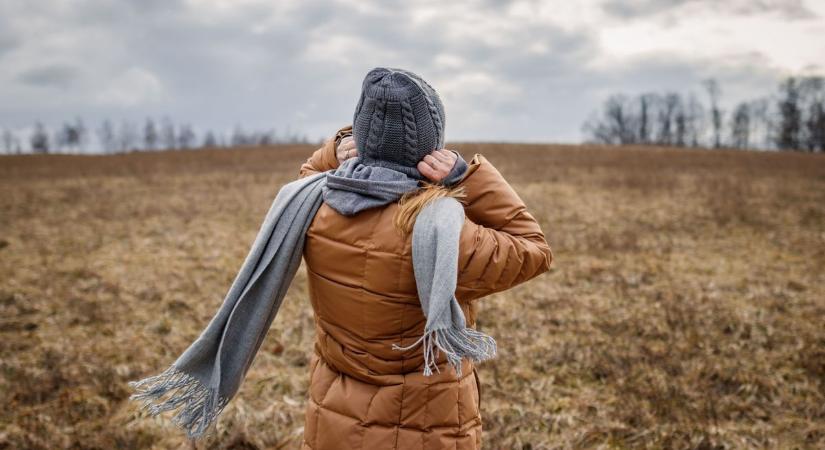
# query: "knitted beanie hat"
[[399, 120]]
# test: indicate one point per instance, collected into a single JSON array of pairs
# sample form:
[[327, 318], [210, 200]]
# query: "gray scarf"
[[210, 371]]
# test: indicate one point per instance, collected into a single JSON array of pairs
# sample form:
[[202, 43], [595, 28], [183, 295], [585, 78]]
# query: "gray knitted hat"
[[399, 120]]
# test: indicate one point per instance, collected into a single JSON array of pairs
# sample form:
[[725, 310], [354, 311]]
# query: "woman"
[[364, 394]]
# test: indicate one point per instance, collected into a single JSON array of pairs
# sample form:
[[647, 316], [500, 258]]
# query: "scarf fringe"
[[201, 405], [455, 344]]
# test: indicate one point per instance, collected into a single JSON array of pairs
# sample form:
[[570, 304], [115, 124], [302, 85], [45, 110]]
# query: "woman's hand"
[[437, 165], [346, 149]]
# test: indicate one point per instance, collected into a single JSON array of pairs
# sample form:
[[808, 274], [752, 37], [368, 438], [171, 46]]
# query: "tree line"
[[75, 137], [792, 118]]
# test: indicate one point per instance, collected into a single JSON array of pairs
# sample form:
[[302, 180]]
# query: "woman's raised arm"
[[502, 244], [324, 158]]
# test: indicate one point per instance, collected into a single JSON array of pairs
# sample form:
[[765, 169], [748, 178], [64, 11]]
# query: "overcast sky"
[[506, 70]]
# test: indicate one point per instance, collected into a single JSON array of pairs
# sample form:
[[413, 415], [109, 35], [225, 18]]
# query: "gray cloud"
[[641, 8], [788, 9], [632, 9], [53, 75], [8, 42]]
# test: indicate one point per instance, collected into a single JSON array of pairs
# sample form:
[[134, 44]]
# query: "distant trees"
[[167, 134], [39, 139], [106, 136], [815, 127], [800, 122], [740, 127], [649, 118], [712, 86], [761, 122], [11, 144], [790, 116], [186, 137], [209, 140], [127, 139], [150, 135], [793, 119], [812, 113], [618, 124], [74, 137], [70, 137], [242, 138]]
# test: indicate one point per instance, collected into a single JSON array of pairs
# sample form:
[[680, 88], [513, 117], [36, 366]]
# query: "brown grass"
[[685, 309]]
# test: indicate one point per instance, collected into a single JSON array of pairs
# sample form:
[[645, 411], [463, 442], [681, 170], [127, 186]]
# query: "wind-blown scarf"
[[210, 371]]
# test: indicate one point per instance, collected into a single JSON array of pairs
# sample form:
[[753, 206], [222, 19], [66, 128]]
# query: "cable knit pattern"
[[410, 131], [436, 119], [372, 149], [398, 121]]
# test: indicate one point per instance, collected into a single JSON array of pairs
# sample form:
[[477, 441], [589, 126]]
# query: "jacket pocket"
[[478, 387]]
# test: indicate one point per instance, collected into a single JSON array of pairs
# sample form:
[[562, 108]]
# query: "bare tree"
[[128, 137], [81, 135], [790, 116], [150, 135], [239, 137], [71, 136], [714, 91], [681, 124], [60, 139], [10, 141], [694, 121], [816, 126], [266, 138], [39, 139], [167, 134], [186, 137], [616, 124], [209, 140], [760, 121], [597, 130], [643, 133], [106, 136], [813, 101], [667, 112], [741, 126]]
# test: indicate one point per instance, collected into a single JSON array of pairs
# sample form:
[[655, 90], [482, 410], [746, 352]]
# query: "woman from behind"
[[370, 387]]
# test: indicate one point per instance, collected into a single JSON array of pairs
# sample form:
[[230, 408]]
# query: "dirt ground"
[[685, 307]]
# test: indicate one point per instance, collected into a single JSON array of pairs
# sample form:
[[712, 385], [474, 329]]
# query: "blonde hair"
[[411, 203]]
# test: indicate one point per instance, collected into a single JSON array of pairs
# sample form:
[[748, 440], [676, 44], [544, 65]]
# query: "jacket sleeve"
[[324, 158], [502, 244]]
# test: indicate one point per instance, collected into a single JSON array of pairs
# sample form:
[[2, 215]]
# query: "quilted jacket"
[[363, 394]]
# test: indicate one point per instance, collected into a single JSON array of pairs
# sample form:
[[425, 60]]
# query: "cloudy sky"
[[506, 70]]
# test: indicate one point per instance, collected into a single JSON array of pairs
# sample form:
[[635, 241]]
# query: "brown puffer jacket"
[[363, 394]]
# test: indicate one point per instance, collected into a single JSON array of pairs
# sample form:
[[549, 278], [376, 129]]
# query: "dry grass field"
[[685, 307]]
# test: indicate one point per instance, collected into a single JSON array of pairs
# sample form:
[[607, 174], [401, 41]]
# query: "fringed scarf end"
[[455, 344], [200, 405]]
